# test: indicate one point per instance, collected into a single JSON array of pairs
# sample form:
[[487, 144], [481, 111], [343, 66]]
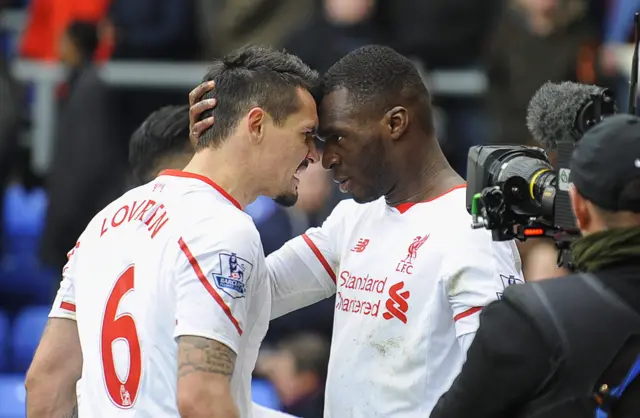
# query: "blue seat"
[[263, 393], [12, 396], [4, 341], [23, 219], [23, 281], [25, 335]]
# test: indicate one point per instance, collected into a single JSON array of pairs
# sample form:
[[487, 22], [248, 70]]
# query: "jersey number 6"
[[120, 327]]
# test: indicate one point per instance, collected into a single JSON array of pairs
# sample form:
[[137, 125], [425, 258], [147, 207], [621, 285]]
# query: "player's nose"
[[314, 155], [329, 158]]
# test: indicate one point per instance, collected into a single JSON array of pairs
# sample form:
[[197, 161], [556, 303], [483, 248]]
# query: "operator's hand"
[[196, 107]]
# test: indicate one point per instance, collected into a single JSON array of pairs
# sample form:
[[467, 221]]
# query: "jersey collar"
[[186, 174], [403, 207]]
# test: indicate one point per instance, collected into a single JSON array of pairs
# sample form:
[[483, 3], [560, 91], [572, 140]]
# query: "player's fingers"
[[200, 127], [196, 94], [197, 109]]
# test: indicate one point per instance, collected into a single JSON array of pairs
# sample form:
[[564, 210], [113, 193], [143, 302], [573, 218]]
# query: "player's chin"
[[362, 194], [287, 199]]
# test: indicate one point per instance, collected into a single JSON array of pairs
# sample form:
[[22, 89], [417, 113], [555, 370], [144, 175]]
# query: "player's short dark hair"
[[164, 133], [379, 78], [254, 76]]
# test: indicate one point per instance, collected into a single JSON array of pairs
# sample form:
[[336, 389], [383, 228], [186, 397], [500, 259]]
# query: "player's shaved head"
[[378, 78], [375, 113]]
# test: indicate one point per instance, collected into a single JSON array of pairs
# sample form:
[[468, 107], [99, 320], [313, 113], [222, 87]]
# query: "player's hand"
[[196, 107]]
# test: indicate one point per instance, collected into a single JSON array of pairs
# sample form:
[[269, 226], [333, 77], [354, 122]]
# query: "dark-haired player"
[[409, 274], [163, 303]]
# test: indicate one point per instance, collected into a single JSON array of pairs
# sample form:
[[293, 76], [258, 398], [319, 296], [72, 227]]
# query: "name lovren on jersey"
[[155, 217]]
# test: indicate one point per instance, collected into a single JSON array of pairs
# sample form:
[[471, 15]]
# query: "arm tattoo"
[[202, 355], [73, 413]]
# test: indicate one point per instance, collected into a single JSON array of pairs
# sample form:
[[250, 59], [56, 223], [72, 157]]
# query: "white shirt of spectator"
[[409, 282], [173, 257]]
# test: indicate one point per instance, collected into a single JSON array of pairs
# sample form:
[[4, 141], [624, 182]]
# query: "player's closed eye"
[[330, 138]]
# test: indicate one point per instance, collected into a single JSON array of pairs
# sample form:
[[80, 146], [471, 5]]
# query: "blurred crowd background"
[[78, 76]]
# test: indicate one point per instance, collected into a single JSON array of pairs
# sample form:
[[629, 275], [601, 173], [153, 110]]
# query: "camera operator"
[[570, 347]]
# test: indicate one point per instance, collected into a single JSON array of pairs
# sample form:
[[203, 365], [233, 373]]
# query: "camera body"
[[516, 192]]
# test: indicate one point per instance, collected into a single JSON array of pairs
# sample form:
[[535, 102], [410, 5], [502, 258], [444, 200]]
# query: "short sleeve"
[[303, 271], [476, 274], [212, 281], [64, 304]]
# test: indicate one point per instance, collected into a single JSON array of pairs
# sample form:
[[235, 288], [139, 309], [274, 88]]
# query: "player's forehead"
[[307, 114], [338, 112]]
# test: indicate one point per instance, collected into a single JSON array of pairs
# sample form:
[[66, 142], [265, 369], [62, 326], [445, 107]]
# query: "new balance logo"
[[397, 305], [361, 245]]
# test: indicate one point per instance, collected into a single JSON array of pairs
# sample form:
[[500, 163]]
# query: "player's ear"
[[256, 125], [580, 209], [396, 121]]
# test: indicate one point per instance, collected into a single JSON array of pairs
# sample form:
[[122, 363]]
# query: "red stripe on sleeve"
[[467, 313], [320, 257], [207, 285], [68, 306]]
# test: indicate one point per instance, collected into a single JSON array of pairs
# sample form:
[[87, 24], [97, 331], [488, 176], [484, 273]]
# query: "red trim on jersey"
[[319, 256], [207, 285], [67, 306], [403, 207], [186, 174], [467, 313]]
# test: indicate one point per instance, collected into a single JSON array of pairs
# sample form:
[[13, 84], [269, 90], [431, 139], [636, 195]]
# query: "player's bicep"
[[58, 358], [212, 282], [477, 277]]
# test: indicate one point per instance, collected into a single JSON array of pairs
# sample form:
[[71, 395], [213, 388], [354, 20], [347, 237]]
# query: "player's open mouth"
[[303, 166]]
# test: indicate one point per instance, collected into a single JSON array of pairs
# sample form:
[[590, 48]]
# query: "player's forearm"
[[206, 404], [46, 398], [205, 368]]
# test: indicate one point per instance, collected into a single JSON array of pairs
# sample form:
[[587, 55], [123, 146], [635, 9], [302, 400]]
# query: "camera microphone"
[[566, 110]]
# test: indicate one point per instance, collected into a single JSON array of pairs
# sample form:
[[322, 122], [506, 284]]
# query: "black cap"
[[606, 160]]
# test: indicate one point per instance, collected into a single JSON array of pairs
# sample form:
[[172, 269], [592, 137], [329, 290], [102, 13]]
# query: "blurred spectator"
[[226, 25], [89, 166], [9, 125], [536, 41], [298, 370], [339, 26], [617, 31], [47, 21], [151, 29]]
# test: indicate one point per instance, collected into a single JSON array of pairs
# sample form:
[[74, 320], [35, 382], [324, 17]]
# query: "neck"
[[235, 179], [425, 176]]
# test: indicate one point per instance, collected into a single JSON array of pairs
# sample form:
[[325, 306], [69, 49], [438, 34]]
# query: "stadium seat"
[[23, 281], [263, 393], [25, 336], [12, 396], [4, 341], [23, 218]]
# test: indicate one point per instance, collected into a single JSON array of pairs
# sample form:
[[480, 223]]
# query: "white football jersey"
[[174, 257], [409, 282]]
